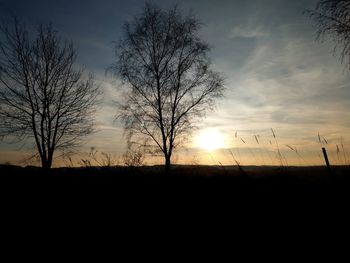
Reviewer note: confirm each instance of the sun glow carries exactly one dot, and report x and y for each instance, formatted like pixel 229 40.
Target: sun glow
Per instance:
pixel 210 140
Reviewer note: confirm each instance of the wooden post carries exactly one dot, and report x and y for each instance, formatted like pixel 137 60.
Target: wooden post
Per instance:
pixel 326 159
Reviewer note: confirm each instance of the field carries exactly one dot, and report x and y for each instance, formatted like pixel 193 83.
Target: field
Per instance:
pixel 213 191
pixel 230 176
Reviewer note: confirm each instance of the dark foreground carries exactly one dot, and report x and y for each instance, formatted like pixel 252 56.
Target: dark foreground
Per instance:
pixel 205 178
pixel 212 191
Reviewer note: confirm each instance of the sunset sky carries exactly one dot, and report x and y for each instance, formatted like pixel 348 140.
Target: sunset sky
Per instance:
pixel 276 76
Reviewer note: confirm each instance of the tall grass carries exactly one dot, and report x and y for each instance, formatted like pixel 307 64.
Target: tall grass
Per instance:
pixel 266 149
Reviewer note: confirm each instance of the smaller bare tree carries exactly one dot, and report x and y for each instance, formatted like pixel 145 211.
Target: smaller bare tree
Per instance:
pixel 42 96
pixel 170 83
pixel 332 19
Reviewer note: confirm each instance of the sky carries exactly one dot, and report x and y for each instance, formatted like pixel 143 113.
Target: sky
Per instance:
pixel 276 76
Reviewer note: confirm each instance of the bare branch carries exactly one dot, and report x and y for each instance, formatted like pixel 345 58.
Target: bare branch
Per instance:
pixel 332 18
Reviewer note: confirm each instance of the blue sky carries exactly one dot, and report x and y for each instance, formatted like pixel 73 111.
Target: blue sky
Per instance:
pixel 277 75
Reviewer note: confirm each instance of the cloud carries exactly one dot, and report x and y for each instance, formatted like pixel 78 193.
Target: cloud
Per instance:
pixel 246 31
pixel 288 82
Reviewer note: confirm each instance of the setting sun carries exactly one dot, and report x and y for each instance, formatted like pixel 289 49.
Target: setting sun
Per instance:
pixel 210 140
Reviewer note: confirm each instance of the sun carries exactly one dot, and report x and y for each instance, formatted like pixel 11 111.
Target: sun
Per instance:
pixel 210 140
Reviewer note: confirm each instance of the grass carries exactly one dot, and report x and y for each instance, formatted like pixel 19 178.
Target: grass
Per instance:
pixel 267 150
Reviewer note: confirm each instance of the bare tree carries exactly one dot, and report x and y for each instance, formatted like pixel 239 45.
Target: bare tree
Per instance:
pixel 165 66
pixel 332 18
pixel 42 96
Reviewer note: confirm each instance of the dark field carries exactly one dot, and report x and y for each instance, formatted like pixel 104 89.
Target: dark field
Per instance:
pixel 225 176
pixel 188 189
pixel 314 173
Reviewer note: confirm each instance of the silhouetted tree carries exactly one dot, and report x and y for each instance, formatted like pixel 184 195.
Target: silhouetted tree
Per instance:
pixel 42 96
pixel 165 66
pixel 332 18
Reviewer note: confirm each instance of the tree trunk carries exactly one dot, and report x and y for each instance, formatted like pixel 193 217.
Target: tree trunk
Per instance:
pixel 167 162
pixel 46 163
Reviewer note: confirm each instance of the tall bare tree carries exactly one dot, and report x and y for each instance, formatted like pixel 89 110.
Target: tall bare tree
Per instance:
pixel 167 71
pixel 42 96
pixel 332 18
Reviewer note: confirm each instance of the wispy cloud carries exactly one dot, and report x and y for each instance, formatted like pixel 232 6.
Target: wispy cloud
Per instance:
pixel 247 31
